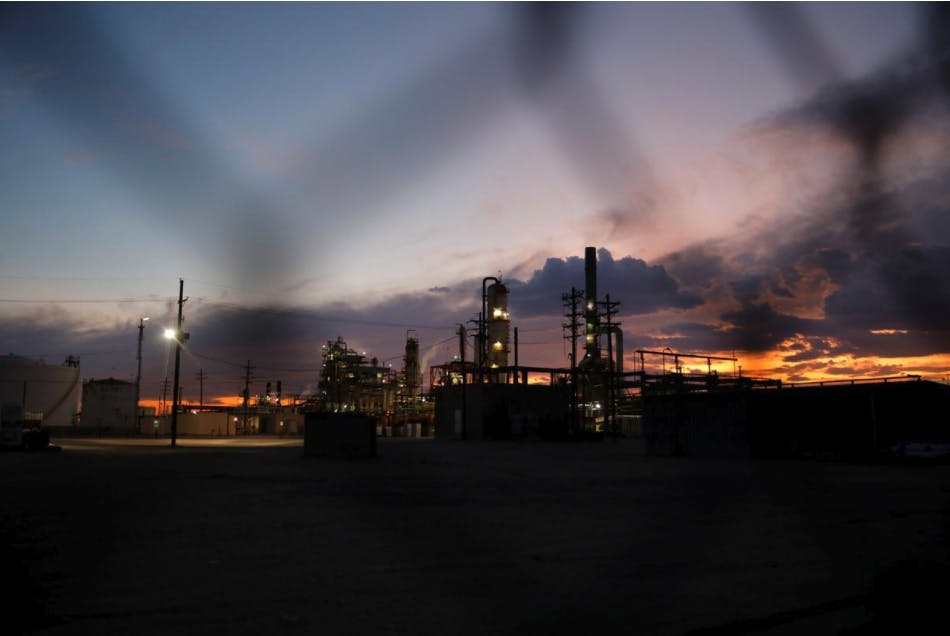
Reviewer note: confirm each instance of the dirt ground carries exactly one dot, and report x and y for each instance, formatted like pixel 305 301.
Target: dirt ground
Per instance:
pixel 431 537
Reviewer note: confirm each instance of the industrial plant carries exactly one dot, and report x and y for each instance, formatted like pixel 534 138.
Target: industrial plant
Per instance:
pixel 677 403
pixel 487 393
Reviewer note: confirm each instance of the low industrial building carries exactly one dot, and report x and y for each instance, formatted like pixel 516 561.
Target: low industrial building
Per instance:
pixel 282 423
pixel 225 423
pixel 202 424
pixel 501 411
pixel 845 420
pixel 109 406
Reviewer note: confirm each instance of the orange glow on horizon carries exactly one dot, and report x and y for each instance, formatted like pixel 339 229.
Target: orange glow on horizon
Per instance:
pixel 815 365
pixel 774 364
pixel 210 401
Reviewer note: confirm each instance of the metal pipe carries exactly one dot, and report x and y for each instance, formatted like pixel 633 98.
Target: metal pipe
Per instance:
pixel 618 350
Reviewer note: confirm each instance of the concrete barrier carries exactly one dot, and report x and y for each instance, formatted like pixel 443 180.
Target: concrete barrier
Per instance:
pixel 339 435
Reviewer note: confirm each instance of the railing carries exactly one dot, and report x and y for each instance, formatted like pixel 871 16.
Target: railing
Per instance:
pixel 892 379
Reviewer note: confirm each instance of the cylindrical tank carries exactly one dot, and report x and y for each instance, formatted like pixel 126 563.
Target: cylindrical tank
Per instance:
pixel 499 326
pixel 51 390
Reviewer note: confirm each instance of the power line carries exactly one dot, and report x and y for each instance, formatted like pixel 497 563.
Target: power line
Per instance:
pixel 79 301
pixel 213 359
pixel 247 392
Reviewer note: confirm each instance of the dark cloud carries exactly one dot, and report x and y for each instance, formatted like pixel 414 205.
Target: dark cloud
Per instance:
pixel 682 336
pixel 836 263
pixel 758 327
pixel 748 289
pixel 778 289
pixel 641 288
pixel 877 260
pixel 900 289
pixel 906 290
pixel 44 334
pixel 807 348
pixel 864 370
pixel 697 266
pixel 884 243
pixel 541 294
pixel 865 111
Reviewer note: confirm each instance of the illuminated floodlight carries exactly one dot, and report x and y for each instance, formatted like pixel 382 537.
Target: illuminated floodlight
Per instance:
pixel 169 334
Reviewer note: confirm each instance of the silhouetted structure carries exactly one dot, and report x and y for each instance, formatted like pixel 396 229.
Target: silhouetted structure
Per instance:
pixel 349 384
pixel 109 406
pixel 847 420
pixel 339 435
pixel 503 411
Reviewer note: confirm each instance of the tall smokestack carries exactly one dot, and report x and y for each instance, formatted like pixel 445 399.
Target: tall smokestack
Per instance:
pixel 590 304
pixel 411 366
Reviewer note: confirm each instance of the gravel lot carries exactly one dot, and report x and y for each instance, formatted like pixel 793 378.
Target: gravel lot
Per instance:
pixel 247 536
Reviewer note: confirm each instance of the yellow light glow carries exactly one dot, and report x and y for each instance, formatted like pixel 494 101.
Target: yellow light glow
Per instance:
pixel 170 334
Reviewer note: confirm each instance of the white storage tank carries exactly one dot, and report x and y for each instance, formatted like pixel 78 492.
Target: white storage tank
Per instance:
pixel 51 390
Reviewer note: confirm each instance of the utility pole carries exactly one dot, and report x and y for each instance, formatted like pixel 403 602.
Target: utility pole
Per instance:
pixel 138 374
pixel 179 339
pixel 611 406
pixel 464 387
pixel 571 303
pixel 247 391
pixel 161 408
pixel 478 360
pixel 201 388
pixel 517 373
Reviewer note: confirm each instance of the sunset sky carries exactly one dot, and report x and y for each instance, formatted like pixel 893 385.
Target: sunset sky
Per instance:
pixel 771 181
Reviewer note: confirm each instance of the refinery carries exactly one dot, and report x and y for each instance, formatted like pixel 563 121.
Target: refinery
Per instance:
pixel 677 403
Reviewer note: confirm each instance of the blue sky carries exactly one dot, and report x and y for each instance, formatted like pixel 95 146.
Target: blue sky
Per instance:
pixel 339 161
